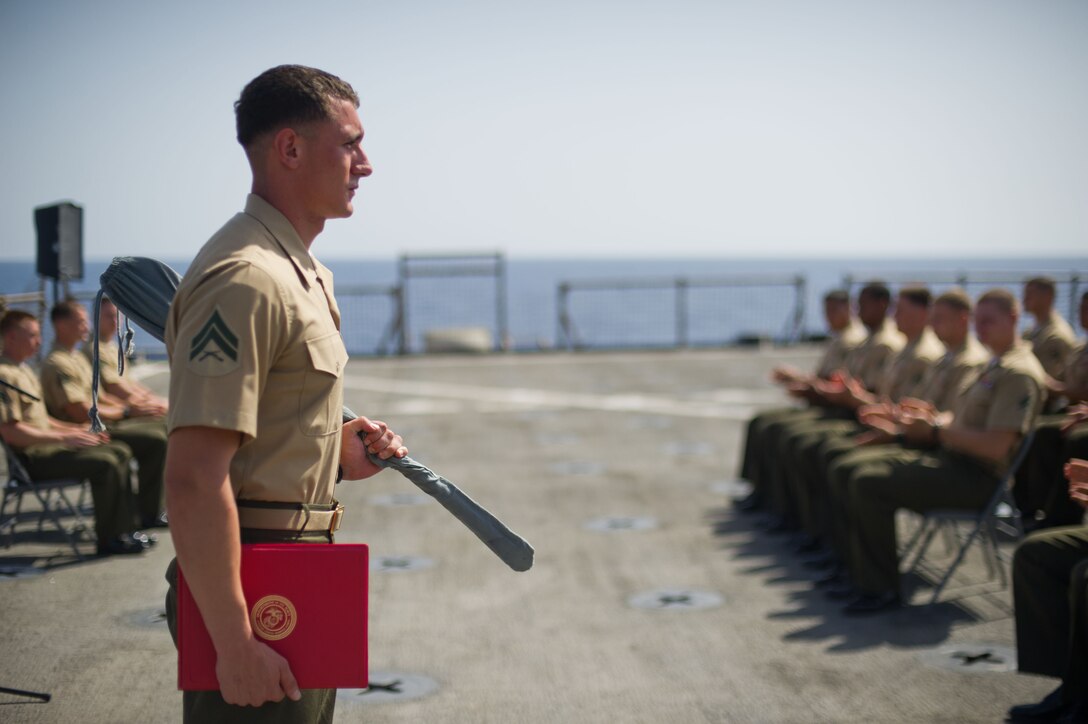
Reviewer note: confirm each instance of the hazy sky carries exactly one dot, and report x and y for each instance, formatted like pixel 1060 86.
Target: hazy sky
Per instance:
pixel 673 127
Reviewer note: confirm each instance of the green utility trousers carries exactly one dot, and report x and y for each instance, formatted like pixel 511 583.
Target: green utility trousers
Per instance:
pixel 105 466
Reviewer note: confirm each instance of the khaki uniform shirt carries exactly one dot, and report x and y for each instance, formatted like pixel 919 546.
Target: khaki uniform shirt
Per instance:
pixel 1076 368
pixel 1052 342
pixel 17 407
pixel 956 371
pixel 1008 395
pixel 254 346
pixel 66 378
pixel 905 371
pixel 842 343
pixel 107 356
pixel 866 362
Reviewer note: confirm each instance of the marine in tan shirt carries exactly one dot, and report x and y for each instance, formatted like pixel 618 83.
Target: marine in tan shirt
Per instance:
pixel 1072 386
pixel 255 347
pixel 140 399
pixel 846 334
pixel 904 371
pixel 784 440
pixel 944 382
pixel 1052 339
pixel 969 449
pixel 256 362
pixel 67 380
pixel 806 453
pixel 964 356
pixel 868 360
pixel 50 448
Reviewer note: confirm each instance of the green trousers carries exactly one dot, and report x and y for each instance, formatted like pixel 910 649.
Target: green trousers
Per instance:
pixel 803 469
pixel 208 707
pixel 751 467
pixel 147 439
pixel 1050 592
pixel 838 473
pixel 919 480
pixel 105 466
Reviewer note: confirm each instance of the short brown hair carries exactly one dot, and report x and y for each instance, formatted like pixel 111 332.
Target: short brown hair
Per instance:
pixel 13 318
pixel 287 95
pixel 877 290
pixel 955 298
pixel 65 309
pixel 1002 298
pixel 837 296
pixel 917 295
pixel 1045 283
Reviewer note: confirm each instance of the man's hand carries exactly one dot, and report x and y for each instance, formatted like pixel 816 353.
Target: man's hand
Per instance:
pixel 377 439
pixel 1076 472
pixel 147 408
pixel 918 408
pixel 251 674
pixel 81 438
pixel 874 437
pixel 847 392
pixel 1076 416
pixel 785 375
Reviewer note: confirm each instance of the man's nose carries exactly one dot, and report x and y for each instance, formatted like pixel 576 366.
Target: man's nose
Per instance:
pixel 362 166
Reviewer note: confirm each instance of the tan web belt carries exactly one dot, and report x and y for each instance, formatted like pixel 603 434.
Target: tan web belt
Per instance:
pixel 302 517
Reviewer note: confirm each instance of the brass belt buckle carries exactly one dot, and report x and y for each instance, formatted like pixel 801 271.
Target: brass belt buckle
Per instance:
pixel 337 514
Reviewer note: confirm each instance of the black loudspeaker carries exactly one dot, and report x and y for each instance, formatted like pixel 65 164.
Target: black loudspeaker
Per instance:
pixel 60 241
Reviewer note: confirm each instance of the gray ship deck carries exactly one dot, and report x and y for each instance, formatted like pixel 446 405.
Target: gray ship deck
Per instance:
pixel 551 444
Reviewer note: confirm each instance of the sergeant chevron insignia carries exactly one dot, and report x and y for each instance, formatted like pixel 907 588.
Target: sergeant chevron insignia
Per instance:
pixel 213 351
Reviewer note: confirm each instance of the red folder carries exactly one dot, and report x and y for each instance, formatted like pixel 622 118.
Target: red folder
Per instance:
pixel 306 601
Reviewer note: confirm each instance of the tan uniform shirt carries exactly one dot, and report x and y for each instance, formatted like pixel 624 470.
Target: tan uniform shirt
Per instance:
pixel 1076 368
pixel 866 362
pixel 107 355
pixel 66 378
pixel 17 407
pixel 954 373
pixel 254 346
pixel 842 343
pixel 1008 395
pixel 1052 342
pixel 905 372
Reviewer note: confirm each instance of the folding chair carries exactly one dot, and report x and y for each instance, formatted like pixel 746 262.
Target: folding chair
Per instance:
pixel 52 497
pixel 999 515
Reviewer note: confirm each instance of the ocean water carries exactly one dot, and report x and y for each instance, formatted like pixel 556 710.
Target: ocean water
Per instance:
pixel 638 303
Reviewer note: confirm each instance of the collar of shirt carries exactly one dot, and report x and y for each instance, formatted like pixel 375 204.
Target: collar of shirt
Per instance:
pixel 286 237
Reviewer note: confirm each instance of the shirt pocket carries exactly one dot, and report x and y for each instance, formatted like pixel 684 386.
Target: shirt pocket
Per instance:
pixel 321 398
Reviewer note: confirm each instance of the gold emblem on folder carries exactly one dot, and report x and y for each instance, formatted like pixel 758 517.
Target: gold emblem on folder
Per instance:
pixel 273 618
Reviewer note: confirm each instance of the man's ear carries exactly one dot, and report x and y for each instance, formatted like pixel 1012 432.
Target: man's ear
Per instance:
pixel 287 144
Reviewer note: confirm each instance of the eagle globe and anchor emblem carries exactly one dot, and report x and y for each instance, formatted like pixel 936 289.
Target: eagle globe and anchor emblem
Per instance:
pixel 273 618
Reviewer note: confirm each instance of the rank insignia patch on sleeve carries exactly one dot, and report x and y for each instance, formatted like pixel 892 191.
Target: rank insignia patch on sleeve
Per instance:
pixel 213 351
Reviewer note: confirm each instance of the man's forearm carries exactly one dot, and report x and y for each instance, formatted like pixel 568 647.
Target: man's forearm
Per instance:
pixel 204 527
pixel 21 435
pixel 107 410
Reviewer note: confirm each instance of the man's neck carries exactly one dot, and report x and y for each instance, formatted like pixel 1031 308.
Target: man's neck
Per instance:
pixel 913 335
pixel 954 343
pixel 1043 317
pixel 307 228
pixel 67 347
